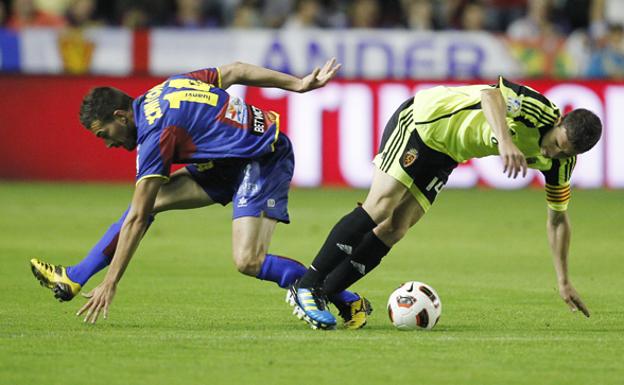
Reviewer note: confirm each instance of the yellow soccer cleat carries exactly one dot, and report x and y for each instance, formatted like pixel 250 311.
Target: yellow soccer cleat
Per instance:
pixel 358 314
pixel 54 277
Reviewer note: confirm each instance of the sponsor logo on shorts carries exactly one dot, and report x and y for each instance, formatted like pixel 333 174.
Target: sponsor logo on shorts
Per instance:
pixel 201 167
pixel 410 157
pixel 271 203
pixel 242 202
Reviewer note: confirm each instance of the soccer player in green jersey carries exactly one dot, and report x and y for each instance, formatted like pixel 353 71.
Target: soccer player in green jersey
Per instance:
pixel 422 143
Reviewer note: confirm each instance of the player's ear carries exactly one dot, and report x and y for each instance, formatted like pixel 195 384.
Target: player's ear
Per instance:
pixel 121 116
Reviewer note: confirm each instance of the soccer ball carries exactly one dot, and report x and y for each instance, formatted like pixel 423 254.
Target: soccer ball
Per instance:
pixel 414 305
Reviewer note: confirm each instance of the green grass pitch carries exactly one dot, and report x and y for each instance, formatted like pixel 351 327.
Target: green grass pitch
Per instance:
pixel 183 315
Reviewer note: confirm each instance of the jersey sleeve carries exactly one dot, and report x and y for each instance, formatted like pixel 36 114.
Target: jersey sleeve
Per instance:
pixel 152 160
pixel 206 75
pixel 557 187
pixel 528 106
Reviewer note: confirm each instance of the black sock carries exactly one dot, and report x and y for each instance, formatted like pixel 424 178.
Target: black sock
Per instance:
pixel 366 257
pixel 340 243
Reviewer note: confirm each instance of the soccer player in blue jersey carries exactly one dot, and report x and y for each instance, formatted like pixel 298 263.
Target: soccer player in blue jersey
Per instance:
pixel 236 154
pixel 425 139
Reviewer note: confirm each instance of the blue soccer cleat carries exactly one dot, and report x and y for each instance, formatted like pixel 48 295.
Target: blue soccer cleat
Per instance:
pixel 310 307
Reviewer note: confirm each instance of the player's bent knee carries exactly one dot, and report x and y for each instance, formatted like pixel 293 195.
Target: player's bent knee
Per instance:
pixel 380 209
pixel 248 264
pixel 390 232
pixel 160 205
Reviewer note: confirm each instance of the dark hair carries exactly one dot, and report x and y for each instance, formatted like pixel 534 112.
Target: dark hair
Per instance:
pixel 583 129
pixel 100 103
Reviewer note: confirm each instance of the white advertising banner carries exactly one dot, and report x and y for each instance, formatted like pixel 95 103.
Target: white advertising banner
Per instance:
pixel 101 51
pixel 372 54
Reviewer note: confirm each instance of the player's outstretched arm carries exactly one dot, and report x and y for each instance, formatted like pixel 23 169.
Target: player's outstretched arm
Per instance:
pixel 132 231
pixel 251 75
pixel 559 233
pixel 494 108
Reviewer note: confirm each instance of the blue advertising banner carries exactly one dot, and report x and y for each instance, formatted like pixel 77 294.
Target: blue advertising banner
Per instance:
pixel 9 51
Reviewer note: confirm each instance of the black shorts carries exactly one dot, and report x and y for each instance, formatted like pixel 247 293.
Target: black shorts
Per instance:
pixel 404 156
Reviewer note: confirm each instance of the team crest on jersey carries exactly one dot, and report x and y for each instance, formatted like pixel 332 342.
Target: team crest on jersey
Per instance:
pixel 410 157
pixel 513 105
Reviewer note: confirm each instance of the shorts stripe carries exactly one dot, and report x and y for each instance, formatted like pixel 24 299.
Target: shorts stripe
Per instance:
pixel 392 141
pixel 398 141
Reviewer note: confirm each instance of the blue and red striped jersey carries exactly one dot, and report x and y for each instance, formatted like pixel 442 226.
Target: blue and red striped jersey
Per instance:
pixel 189 119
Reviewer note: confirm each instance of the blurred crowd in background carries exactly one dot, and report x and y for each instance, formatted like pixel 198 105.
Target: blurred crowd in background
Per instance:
pixel 518 18
pixel 592 28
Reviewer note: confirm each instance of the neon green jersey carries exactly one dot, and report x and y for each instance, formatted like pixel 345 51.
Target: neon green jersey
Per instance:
pixel 450 120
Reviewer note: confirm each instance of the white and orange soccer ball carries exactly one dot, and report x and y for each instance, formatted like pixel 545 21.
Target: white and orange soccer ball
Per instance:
pixel 414 305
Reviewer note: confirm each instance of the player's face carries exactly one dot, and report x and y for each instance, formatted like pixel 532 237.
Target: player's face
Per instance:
pixel 120 132
pixel 556 145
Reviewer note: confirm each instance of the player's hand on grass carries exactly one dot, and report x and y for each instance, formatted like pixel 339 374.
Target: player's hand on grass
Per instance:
pixel 513 160
pixel 100 299
pixel 320 76
pixel 571 297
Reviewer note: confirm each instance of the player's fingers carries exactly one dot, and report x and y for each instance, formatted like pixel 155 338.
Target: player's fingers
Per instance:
pixel 328 64
pixel 571 304
pixel 520 165
pixel 84 307
pixel 581 306
pixel 514 167
pixel 331 72
pixel 315 72
pixel 326 77
pixel 106 311
pixel 96 313
pixel 92 310
pixel 88 315
pixel 525 167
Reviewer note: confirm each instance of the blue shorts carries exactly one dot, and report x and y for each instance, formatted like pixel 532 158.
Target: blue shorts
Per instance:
pixel 256 187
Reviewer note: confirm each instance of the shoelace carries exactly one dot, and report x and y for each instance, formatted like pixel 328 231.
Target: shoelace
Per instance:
pixel 303 298
pixel 321 301
pixel 319 304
